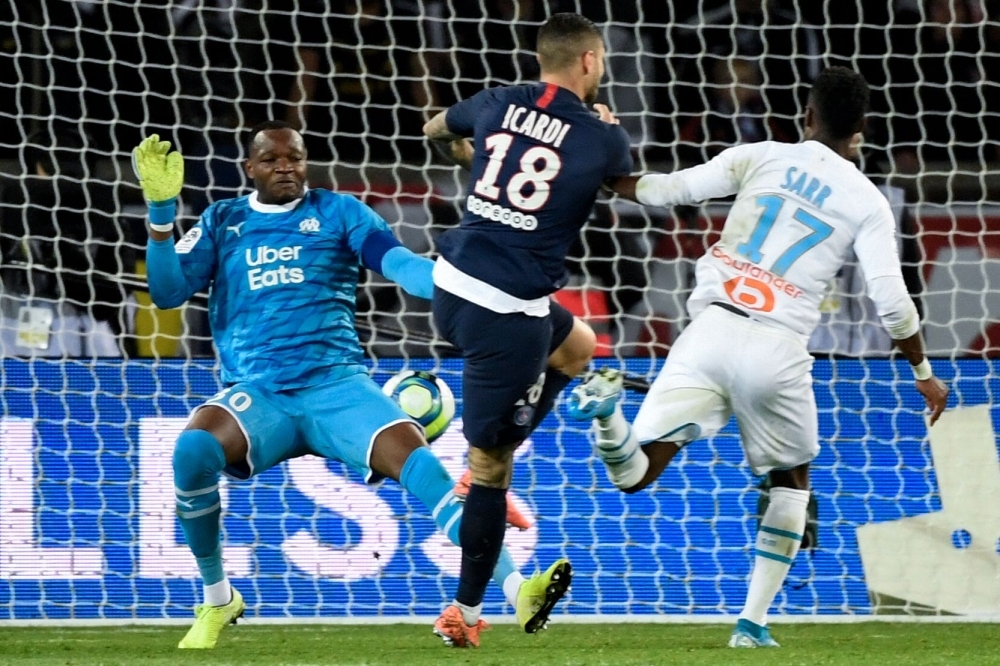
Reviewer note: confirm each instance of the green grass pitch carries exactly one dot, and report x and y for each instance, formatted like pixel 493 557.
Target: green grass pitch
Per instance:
pixel 564 645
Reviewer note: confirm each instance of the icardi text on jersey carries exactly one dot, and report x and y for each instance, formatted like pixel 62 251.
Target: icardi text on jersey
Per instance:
pixel 540 159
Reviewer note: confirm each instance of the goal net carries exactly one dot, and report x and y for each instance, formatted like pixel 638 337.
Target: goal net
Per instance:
pixel 96 383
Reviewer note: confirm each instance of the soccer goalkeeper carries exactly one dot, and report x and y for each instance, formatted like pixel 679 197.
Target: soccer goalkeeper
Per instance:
pixel 282 264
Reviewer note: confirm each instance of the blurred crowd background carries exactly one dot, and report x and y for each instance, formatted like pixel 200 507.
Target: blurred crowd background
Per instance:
pixel 81 81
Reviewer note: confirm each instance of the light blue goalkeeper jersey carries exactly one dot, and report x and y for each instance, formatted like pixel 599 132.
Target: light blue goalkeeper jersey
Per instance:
pixel 283 282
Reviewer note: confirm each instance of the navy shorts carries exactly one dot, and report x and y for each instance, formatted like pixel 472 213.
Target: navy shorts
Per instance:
pixel 506 356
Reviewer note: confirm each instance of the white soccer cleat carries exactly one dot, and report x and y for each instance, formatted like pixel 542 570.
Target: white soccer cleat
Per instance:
pixel 597 396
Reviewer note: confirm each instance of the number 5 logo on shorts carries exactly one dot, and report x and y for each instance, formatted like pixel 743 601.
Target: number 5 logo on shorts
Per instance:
pixel 750 293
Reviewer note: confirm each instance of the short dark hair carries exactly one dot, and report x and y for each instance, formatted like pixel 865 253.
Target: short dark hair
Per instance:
pixel 560 38
pixel 840 98
pixel 265 126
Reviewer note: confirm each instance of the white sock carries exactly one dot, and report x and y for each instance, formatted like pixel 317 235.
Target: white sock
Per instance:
pixel 511 584
pixel 218 594
pixel 470 614
pixel 778 541
pixel 619 449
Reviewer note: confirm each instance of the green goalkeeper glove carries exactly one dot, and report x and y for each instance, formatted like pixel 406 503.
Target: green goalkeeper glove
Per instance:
pixel 161 176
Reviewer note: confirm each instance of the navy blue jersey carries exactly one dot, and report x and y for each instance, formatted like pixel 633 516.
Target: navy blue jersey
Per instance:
pixel 540 159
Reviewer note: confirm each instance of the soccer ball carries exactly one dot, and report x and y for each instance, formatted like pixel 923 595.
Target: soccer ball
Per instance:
pixel 425 398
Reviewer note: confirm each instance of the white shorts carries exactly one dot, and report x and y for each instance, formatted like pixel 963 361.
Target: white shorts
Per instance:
pixel 724 364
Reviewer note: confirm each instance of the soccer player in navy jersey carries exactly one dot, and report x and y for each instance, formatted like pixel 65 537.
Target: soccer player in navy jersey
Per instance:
pixel 282 264
pixel 537 157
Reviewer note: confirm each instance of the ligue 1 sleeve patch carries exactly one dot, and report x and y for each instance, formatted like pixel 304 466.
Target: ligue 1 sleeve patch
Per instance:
pixel 188 241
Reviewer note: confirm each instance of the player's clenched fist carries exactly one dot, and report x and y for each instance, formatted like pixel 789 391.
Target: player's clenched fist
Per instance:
pixel 160 172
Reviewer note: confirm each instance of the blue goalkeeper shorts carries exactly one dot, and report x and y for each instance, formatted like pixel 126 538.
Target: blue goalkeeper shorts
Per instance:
pixel 338 420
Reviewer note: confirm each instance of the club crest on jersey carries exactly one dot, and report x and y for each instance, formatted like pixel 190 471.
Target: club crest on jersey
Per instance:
pixel 309 225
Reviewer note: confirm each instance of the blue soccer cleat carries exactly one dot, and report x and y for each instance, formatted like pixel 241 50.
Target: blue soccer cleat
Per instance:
pixel 597 396
pixel 750 635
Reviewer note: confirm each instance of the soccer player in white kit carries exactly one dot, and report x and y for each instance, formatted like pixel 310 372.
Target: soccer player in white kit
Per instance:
pixel 799 209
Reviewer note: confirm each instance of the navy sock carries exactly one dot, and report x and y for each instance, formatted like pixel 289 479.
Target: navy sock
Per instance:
pixel 555 382
pixel 484 521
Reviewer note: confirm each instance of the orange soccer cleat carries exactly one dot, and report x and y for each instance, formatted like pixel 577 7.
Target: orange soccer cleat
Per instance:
pixel 514 517
pixel 452 628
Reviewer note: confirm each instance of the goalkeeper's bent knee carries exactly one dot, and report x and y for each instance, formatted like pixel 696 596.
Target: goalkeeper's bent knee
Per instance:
pixel 198 459
pixel 197 454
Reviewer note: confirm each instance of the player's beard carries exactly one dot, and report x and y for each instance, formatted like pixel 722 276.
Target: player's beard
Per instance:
pixel 592 92
pixel 283 198
pixel 286 195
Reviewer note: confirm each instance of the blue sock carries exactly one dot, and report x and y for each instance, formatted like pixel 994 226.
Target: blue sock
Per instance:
pixel 425 477
pixel 481 537
pixel 505 567
pixel 198 459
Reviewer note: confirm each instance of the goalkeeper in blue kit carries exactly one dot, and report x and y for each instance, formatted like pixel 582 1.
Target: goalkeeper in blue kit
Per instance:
pixel 283 264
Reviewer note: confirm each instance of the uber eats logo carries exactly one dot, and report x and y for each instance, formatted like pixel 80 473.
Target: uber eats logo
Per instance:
pixel 265 276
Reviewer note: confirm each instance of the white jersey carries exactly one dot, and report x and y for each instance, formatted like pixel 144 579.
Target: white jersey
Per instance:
pixel 799 211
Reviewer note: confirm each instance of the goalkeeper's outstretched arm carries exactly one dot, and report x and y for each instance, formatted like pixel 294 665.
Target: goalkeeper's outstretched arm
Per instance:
pixel 161 176
pixel 385 255
pixel 169 283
